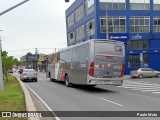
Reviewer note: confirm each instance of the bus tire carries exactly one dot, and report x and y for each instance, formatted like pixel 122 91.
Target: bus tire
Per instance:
pixel 67 81
pixel 52 80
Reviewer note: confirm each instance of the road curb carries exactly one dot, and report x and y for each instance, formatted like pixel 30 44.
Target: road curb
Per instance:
pixel 28 100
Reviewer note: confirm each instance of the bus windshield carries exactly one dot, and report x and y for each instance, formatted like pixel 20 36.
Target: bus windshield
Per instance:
pixel 108 48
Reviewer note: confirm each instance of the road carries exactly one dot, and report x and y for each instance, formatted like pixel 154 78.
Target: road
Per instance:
pixel 134 95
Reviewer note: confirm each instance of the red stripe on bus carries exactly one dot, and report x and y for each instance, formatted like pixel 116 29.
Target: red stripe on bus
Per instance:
pixel 63 72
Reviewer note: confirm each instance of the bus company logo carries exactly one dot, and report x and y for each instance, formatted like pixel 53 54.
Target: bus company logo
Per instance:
pixel 6 114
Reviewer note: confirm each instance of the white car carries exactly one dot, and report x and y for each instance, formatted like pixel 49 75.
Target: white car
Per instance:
pixel 28 75
pixel 144 72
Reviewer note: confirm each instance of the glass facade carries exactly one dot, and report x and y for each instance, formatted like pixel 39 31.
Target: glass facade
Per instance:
pixel 140 24
pixel 70 20
pixel 134 61
pixel 79 13
pixel 156 4
pixel 71 38
pixel 112 4
pixel 80 33
pixel 156 24
pixel 89 6
pixel 142 44
pixel 90 27
pixel 115 24
pixel 139 4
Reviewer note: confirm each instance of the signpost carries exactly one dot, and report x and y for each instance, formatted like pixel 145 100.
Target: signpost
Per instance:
pixel 1 73
pixel 141 59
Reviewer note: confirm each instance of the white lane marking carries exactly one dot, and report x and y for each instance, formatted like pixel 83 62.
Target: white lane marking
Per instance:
pixel 156 92
pixel 56 117
pixel 111 101
pixel 150 90
pixel 146 88
pixel 139 82
pixel 156 84
pixel 141 87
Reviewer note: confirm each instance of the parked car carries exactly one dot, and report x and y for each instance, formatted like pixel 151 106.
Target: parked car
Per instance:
pixel 144 72
pixel 28 75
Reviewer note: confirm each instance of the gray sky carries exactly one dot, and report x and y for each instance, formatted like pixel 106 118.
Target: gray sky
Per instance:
pixel 35 24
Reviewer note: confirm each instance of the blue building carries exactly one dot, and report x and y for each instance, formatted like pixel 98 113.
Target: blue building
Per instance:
pixel 135 22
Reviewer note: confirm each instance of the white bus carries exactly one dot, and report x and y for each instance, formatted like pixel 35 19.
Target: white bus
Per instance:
pixel 94 62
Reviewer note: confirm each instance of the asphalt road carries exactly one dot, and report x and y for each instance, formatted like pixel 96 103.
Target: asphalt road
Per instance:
pixel 134 95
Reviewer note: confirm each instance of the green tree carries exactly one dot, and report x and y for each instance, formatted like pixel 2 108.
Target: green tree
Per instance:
pixel 8 62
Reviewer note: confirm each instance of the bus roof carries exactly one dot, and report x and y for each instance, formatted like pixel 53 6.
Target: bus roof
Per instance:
pixel 88 41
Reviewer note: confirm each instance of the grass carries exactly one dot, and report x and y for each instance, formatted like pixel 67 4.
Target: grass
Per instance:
pixel 12 98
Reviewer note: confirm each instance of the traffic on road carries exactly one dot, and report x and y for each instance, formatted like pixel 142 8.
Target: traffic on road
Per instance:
pixel 134 95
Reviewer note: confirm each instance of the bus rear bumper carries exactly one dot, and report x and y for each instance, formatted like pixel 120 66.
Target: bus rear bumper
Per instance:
pixel 105 81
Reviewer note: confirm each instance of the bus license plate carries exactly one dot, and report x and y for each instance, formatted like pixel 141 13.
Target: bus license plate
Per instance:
pixel 108 82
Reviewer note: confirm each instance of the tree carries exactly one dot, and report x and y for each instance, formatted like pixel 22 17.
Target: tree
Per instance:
pixel 8 62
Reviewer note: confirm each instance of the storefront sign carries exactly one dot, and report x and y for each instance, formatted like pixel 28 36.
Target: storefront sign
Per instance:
pixel 121 37
pixel 137 37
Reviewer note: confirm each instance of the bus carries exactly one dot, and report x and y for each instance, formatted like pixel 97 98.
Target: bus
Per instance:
pixel 94 62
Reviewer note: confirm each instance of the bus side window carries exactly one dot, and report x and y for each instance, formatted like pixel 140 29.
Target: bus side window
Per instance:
pixel 84 52
pixel 68 55
pixel 62 57
pixel 75 54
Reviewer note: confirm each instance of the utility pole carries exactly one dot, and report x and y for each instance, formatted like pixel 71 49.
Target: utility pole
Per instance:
pixel 106 23
pixel 1 71
pixel 36 65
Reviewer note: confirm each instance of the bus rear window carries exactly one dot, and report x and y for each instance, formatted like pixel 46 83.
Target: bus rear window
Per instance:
pixel 108 48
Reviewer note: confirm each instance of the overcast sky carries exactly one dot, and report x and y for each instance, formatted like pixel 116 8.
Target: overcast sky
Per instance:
pixel 35 24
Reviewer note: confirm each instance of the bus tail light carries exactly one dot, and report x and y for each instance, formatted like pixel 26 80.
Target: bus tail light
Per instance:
pixel 91 69
pixel 122 71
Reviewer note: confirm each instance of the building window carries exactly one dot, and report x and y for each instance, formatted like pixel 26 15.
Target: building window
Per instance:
pixel 142 44
pixel 89 6
pixel 115 24
pixel 70 20
pixel 71 38
pixel 80 33
pixel 156 4
pixel 156 24
pixel 79 13
pixel 90 27
pixel 139 24
pixel 139 4
pixel 112 4
pixel 134 60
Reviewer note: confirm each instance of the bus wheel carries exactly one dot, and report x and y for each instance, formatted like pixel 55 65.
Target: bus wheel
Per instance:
pixel 52 80
pixel 67 81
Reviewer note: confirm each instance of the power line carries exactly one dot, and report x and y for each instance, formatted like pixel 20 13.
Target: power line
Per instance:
pixel 21 50
pixel 30 49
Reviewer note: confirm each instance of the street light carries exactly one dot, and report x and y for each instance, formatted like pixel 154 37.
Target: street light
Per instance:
pixel 1 73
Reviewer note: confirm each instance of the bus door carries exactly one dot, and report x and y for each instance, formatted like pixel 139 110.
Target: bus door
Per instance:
pixel 108 60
